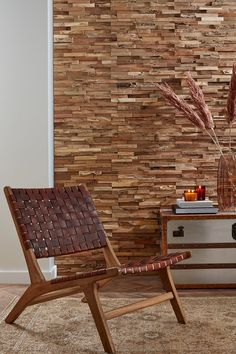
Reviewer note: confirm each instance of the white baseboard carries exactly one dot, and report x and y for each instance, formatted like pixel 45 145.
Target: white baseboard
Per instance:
pixel 22 277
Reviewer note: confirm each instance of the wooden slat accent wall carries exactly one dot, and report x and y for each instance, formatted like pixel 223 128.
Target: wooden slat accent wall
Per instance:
pixel 113 131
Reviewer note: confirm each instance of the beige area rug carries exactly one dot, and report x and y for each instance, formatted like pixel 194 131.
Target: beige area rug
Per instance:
pixel 66 326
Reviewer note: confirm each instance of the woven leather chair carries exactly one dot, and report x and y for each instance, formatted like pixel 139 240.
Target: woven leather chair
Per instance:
pixel 60 221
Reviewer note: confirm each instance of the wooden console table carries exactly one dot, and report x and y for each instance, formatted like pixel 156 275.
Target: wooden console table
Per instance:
pixel 212 240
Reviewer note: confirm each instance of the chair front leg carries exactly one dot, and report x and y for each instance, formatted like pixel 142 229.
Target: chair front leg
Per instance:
pixel 168 285
pixel 22 303
pixel 91 293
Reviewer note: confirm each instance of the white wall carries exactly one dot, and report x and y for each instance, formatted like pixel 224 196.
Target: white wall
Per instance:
pixel 26 129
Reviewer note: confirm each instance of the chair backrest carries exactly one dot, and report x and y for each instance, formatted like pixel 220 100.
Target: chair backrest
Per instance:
pixel 56 221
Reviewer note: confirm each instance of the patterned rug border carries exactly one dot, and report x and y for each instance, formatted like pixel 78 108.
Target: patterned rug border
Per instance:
pixel 20 338
pixel 8 308
pixel 23 335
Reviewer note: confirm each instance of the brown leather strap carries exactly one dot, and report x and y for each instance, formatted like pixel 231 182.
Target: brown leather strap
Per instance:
pixel 57 221
pixel 153 263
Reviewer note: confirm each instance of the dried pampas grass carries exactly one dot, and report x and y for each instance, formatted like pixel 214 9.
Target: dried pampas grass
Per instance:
pixel 231 101
pixel 199 102
pixel 201 116
pixel 175 101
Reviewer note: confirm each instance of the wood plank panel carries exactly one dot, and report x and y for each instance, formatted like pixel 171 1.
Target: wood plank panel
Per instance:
pixel 113 131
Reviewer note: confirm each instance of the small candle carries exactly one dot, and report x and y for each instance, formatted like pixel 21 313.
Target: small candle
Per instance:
pixel 201 192
pixel 190 195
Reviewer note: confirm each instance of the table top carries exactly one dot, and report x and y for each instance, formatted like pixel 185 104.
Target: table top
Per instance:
pixel 168 214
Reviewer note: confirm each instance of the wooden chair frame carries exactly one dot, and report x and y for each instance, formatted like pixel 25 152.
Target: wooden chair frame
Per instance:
pixel 41 290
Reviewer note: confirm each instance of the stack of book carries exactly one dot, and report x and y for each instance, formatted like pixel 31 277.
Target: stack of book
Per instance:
pixel 194 207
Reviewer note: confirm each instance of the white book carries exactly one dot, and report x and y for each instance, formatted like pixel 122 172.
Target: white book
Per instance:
pixel 207 203
pixel 202 210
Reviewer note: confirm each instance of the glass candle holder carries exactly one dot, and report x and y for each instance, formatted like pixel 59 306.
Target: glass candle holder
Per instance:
pixel 201 192
pixel 190 195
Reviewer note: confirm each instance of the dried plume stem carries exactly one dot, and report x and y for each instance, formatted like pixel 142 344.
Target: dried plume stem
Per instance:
pixel 215 140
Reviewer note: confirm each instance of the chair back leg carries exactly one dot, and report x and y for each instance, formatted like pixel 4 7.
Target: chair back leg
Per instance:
pixel 91 294
pixel 168 285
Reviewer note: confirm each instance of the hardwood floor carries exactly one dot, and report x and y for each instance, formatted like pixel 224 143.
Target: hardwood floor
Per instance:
pixel 138 286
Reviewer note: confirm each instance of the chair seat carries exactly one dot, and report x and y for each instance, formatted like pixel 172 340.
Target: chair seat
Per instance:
pixel 141 266
pixel 153 263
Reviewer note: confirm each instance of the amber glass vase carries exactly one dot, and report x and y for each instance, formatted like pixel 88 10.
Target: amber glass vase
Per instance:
pixel 226 183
